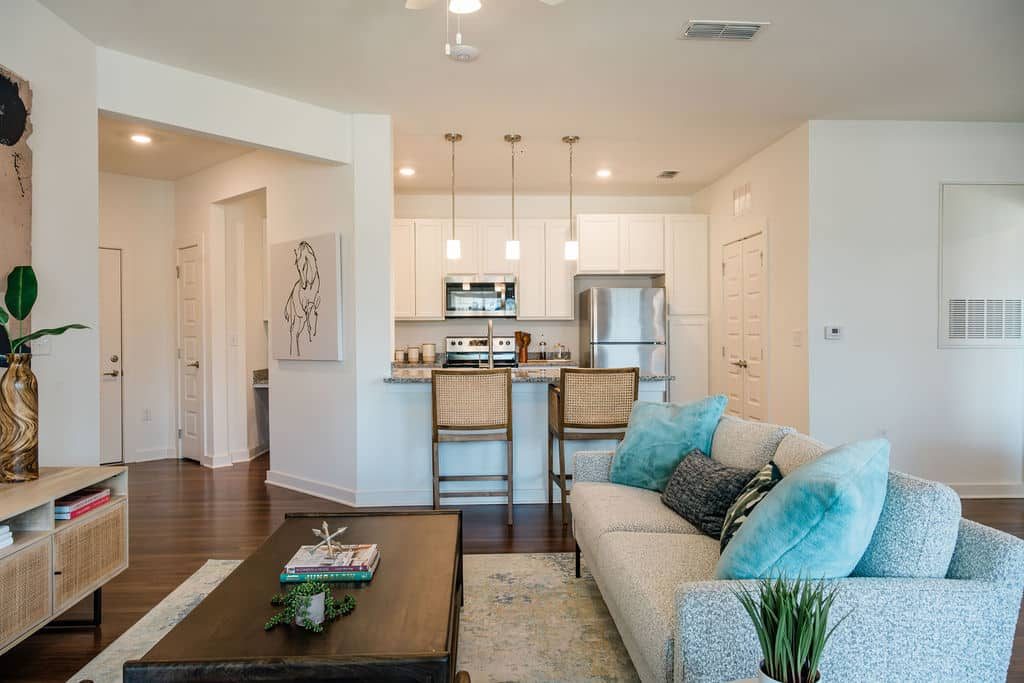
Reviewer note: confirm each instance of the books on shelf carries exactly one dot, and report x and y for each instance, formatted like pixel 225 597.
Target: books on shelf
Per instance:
pixel 351 563
pixel 331 576
pixel 80 502
pixel 6 537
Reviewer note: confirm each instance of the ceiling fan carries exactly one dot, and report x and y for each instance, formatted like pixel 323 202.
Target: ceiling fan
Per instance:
pixel 423 4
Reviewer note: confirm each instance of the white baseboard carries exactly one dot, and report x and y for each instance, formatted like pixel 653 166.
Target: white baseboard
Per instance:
pixel 997 490
pixel 216 460
pixel 313 488
pixel 149 454
pixel 257 451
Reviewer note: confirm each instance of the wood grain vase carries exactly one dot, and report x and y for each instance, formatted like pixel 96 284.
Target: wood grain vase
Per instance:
pixel 19 421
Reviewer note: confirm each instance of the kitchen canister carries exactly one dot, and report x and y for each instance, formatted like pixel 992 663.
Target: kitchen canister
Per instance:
pixel 413 354
pixel 429 353
pixel 399 355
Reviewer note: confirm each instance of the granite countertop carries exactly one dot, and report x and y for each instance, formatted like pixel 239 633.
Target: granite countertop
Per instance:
pixel 519 376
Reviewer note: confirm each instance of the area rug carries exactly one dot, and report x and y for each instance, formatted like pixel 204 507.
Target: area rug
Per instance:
pixel 526 618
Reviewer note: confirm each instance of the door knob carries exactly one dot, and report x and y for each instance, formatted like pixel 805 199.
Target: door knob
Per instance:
pixel 740 363
pixel 112 373
pixel 193 364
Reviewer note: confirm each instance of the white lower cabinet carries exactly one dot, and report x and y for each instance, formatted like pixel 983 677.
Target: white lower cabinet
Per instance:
pixel 688 358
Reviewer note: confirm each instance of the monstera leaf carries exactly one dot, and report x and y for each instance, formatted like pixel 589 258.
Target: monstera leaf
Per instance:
pixel 22 290
pixel 48 332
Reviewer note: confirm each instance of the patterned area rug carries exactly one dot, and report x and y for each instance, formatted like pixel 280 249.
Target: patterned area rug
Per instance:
pixel 526 618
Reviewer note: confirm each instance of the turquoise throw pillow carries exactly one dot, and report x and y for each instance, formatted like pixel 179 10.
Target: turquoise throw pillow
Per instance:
pixel 659 435
pixel 817 522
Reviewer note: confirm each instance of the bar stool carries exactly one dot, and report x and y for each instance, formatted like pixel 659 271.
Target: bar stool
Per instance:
pixel 597 400
pixel 472 405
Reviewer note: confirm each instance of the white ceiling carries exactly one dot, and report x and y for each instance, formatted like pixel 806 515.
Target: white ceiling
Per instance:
pixel 611 71
pixel 171 155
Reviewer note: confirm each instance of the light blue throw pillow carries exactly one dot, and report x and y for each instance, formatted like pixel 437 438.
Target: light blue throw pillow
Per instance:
pixel 817 522
pixel 659 435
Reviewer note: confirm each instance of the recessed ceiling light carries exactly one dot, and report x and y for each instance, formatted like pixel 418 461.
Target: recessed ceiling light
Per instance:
pixel 141 139
pixel 407 171
pixel 463 6
pixel 604 173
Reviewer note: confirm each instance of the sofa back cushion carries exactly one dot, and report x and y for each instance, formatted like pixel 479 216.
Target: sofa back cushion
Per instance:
pixel 745 443
pixel 795 450
pixel 916 532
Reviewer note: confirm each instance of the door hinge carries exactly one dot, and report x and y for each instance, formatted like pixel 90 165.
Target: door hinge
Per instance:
pixel 723 352
pixel 723 267
pixel 177 272
pixel 762 259
pixel 179 353
pixel 179 433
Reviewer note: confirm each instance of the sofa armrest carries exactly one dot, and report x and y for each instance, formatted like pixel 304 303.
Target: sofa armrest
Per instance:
pixel 898 630
pixel 987 554
pixel 593 466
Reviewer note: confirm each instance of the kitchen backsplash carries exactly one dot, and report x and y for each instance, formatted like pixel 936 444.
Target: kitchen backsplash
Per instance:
pixel 416 333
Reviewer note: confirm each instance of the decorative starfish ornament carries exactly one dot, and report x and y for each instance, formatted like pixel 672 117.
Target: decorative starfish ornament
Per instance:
pixel 330 547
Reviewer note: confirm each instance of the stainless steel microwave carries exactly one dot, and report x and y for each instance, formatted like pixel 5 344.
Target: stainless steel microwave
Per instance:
pixel 489 296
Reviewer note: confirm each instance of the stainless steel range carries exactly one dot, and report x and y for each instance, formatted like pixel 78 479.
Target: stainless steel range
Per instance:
pixel 471 352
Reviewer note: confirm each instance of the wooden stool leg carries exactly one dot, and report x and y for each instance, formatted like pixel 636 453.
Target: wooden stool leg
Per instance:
pixel 561 481
pixel 510 476
pixel 437 478
pixel 551 466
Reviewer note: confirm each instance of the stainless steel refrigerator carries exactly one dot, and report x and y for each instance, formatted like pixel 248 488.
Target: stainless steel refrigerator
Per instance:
pixel 623 327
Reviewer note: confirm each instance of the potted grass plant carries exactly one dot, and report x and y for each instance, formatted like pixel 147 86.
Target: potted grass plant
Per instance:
pixel 791 621
pixel 19 392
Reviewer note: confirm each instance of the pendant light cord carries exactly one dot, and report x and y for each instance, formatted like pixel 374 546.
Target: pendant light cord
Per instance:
pixel 514 190
pixel 571 227
pixel 453 187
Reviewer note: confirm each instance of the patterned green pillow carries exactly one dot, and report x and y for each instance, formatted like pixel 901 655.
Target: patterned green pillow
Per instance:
pixel 755 491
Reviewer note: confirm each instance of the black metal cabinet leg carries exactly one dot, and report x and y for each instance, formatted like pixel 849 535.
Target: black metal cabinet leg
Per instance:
pixel 95 622
pixel 577 560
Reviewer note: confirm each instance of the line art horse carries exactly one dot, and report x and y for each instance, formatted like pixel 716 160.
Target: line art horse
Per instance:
pixel 302 308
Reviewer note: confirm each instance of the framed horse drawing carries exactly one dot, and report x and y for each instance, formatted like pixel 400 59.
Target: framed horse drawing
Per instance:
pixel 305 289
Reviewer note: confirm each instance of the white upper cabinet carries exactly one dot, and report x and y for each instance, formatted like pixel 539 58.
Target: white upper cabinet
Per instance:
pixel 403 268
pixel 468 234
pixel 643 243
pixel 531 292
pixel 493 235
pixel 430 268
pixel 559 272
pixel 599 243
pixel 686 271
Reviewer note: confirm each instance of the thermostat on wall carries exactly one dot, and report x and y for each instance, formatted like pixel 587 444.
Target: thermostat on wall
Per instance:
pixel 833 332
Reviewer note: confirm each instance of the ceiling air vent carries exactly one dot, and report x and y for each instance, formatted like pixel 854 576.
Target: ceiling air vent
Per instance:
pixel 722 30
pixel 668 175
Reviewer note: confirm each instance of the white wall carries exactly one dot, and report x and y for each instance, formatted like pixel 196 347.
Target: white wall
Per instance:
pixel 137 216
pixel 778 178
pixel 60 66
pixel 956 415
pixel 532 205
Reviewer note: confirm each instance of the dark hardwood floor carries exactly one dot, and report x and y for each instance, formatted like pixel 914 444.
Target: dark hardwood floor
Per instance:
pixel 182 514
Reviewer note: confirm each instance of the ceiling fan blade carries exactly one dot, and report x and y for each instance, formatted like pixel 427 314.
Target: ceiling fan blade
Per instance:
pixel 418 4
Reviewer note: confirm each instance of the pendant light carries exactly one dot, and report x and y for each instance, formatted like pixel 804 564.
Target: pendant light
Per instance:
pixel 453 247
pixel 512 245
pixel 572 247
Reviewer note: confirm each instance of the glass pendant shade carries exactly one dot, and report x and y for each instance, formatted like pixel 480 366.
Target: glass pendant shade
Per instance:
pixel 453 249
pixel 512 250
pixel 463 6
pixel 572 250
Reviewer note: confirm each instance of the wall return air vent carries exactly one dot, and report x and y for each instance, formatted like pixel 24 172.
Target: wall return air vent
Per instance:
pixel 984 322
pixel 712 29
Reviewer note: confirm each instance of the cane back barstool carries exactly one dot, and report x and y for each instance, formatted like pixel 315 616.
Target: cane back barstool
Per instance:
pixel 589 404
pixel 472 405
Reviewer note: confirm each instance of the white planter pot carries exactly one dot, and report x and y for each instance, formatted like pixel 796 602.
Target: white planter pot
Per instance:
pixel 314 613
pixel 762 677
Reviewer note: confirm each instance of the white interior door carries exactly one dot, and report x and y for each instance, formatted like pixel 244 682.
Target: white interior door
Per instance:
pixel 190 347
pixel 111 358
pixel 744 304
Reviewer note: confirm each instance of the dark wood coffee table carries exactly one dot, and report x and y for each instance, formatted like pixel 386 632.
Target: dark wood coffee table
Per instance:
pixel 405 626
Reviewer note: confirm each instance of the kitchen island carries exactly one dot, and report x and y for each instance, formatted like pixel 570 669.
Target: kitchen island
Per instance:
pixel 403 475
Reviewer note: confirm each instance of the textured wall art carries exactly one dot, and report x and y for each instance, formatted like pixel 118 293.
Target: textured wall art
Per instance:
pixel 15 178
pixel 305 291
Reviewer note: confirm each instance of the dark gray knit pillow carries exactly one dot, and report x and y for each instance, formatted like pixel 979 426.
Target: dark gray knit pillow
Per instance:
pixel 701 491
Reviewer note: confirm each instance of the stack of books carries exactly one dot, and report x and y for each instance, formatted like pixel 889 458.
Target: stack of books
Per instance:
pixel 80 502
pixel 351 563
pixel 6 537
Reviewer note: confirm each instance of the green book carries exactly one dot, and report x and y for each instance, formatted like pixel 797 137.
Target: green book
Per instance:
pixel 326 576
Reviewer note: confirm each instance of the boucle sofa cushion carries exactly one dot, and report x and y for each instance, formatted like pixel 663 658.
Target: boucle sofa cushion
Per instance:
pixel 795 450
pixel 745 443
pixel 815 523
pixel 702 490
pixel 916 532
pixel 640 574
pixel 598 508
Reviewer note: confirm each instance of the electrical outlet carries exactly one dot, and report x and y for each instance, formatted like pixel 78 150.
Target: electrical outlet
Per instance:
pixel 147 415
pixel 833 332
pixel 798 338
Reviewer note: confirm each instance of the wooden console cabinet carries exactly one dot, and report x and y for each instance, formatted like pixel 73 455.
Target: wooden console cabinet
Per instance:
pixel 55 564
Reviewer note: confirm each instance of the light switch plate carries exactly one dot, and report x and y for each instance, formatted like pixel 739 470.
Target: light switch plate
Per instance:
pixel 833 332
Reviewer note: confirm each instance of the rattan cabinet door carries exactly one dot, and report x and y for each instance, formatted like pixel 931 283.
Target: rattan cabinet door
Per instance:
pixel 88 553
pixel 25 581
